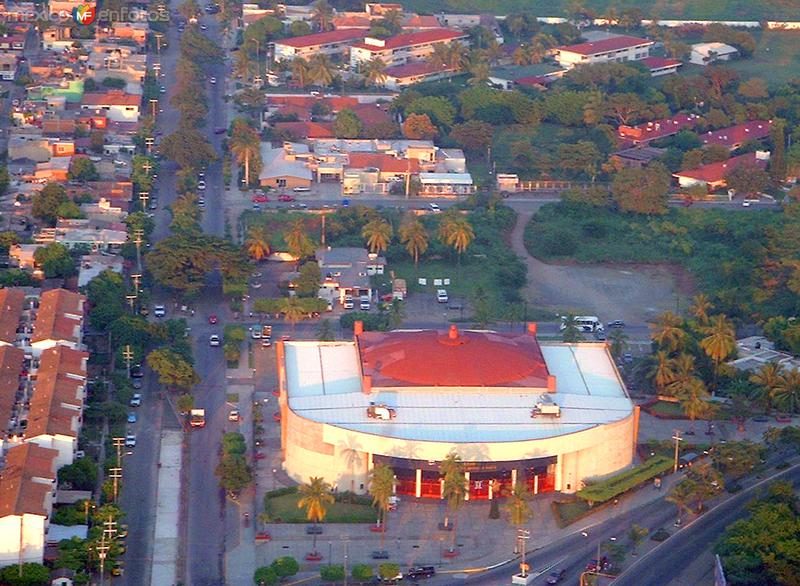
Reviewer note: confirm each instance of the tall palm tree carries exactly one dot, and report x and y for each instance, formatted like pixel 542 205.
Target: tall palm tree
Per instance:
pixel 669 334
pixel 619 342
pixel 374 71
pixel 415 238
pixel 246 147
pixel 693 397
pixel 381 487
pixel 292 310
pixel 456 231
pixel 682 496
pixel 314 498
pixel 662 373
pixel 700 308
pixel 787 394
pixel 322 15
pixel 768 378
pixel 454 486
pixel 321 69
pixel 683 374
pixel 300 71
pixel 522 55
pixel 352 453
pixel 479 70
pixel 457 55
pixel 297 241
pixel 720 340
pixel 378 234
pixel 519 511
pixel 257 243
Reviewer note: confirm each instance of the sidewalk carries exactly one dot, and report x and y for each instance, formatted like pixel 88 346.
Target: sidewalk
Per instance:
pixel 165 544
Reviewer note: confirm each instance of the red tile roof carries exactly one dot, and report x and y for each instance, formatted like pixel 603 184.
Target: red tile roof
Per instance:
pixel 58 393
pixel 386 163
pixel 471 359
pixel 414 69
pixel 660 62
pixel 371 114
pixel 335 102
pixel 12 301
pixel 22 489
pixel 657 128
pixel 336 36
pixel 715 172
pixel 735 136
pixel 11 360
pixel 421 21
pixel 60 316
pixel 605 45
pixel 303 113
pixel 302 130
pixel 351 22
pixel 111 98
pixel 412 39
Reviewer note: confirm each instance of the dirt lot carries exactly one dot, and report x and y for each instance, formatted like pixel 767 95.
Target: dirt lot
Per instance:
pixel 631 293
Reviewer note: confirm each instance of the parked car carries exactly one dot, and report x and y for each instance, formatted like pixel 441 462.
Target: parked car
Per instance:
pixel 259 198
pixel 600 335
pixel 159 311
pixel 220 130
pixel 380 554
pixel 201 184
pixel 136 400
pixel 616 323
pixel 301 189
pixel 234 415
pixel 556 577
pixel 627 358
pixel 286 197
pixel 137 383
pixel 213 340
pixel 345 203
pixel 441 296
pixel 348 302
pixel 213 80
pixel 434 207
pixel 130 441
pixel 595 566
pixel 255 333
pixel 421 572
pixel 212 319
pixel 136 371
pixel 131 417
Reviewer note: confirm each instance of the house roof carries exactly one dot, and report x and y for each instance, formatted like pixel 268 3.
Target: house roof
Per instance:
pixel 411 39
pixel 515 73
pixel 306 129
pixel 715 172
pixel 371 114
pixel 275 164
pixel 414 69
pixel 11 361
pixel 12 300
pixel 653 63
pixel 20 490
pixel 382 161
pixel 421 21
pixel 351 22
pixel 739 134
pixel 60 313
pixel 312 40
pixel 705 49
pixel 335 102
pixel 654 129
pixel 58 393
pixel 605 45
pixel 111 98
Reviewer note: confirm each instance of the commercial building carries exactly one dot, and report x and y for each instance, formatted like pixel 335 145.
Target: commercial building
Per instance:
pixel 347 271
pixel 403 48
pixel 400 76
pixel 547 414
pixel 708 53
pixel 332 43
pixel 617 49
pixel 538 74
pixel 661 65
pixel 281 168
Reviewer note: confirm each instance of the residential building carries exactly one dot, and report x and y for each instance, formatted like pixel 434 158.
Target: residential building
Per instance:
pixel 444 184
pixel 97 235
pixel 14 387
pixel 754 352
pixel 59 321
pixel 403 48
pixel 707 53
pixel 8 66
pixel 56 408
pixel 92 265
pixel 636 157
pixel 407 399
pixel 114 104
pixel 661 65
pixel 27 489
pixel 507 78
pixel 281 169
pixel 615 49
pixel 401 76
pixel 712 176
pixel 656 129
pixel 735 137
pixel 303 130
pixel 346 271
pixel 334 43
pixel 12 303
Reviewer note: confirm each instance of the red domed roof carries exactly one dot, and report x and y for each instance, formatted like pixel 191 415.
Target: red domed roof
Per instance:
pixel 451 359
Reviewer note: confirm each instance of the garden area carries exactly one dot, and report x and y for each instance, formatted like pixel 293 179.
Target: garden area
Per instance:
pixel 280 506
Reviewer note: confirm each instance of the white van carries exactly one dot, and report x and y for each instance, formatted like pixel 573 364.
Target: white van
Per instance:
pixel 441 296
pixel 301 189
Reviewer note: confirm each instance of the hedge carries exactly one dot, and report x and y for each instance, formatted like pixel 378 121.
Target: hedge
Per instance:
pixel 609 488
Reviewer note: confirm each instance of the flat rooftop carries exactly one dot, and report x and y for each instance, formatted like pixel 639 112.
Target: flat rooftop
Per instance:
pixel 324 385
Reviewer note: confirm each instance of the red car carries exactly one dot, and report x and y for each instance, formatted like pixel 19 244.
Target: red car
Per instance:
pixel 212 319
pixel 286 197
pixel 260 199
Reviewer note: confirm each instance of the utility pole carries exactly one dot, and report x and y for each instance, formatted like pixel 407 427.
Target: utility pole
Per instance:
pixel 136 278
pixel 118 442
pixel 153 106
pixel 127 354
pixel 150 141
pixel 346 542
pixel 144 197
pixel 116 475
pixel 138 234
pixel 677 437
pixel 131 300
pixel 158 37
pixel 322 234
pixel 147 166
pixel 523 535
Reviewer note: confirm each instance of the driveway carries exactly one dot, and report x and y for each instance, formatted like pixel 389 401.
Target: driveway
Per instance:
pixel 634 294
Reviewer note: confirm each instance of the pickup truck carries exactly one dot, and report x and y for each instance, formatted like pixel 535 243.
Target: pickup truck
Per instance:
pixel 197 418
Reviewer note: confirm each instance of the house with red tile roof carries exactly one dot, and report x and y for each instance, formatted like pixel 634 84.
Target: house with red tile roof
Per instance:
pixel 331 43
pixel 12 380
pixel 661 65
pixel 303 130
pixel 59 321
pixel 403 48
pixel 116 105
pixel 363 23
pixel 735 137
pixel 27 491
pixel 712 176
pixel 12 303
pixel 655 129
pixel 420 22
pixel 614 49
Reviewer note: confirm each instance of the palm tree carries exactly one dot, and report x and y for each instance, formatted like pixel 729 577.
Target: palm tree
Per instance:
pixel 479 69
pixel 352 453
pixel 683 374
pixel 292 310
pixel 456 231
pixel 787 394
pixel 300 71
pixel 519 511
pixel 315 496
pixel 298 242
pixel 668 333
pixel 693 397
pixel 682 496
pixel 381 487
pixel 373 71
pixel 768 378
pixel 522 55
pixel 378 233
pixel 415 238
pixel 246 147
pixel 662 373
pixel 257 243
pixel 322 15
pixel 454 486
pixel 700 308
pixel 457 56
pixel 720 340
pixel 619 342
pixel 321 69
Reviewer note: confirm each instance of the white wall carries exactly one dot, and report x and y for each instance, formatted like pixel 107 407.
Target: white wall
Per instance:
pixel 32 538
pixel 65 445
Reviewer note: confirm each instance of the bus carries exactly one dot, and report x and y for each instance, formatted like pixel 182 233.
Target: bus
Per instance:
pixel 585 323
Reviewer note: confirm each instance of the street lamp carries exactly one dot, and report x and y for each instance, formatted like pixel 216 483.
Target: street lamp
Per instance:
pixel 677 437
pixel 523 535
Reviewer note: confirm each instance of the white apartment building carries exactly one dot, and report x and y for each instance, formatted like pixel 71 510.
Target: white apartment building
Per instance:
pixel 402 49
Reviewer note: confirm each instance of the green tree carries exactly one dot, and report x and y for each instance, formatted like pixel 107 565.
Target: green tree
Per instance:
pixel 293 311
pixel 777 162
pixel 456 231
pixel 332 573
pixel 315 496
pixel 662 373
pixel 257 243
pixel 720 339
pixel 80 475
pixel 245 145
pixel 473 135
pixel 736 459
pixel 285 567
pixel 347 125
pixel 234 473
pixel 767 378
pixel 519 510
pixel 265 576
pixel 396 314
pixel 47 201
pixel 301 72
pixel 454 487
pixel 682 495
pixel 419 127
pixel 173 370
pixel 642 191
pixel 786 395
pixel 362 573
pixel 747 179
pixel 29 574
pixel 637 534
pixel 299 28
pixel 693 398
pixel 378 234
pixel 700 307
pixel 181 263
pixel 388 571
pixel 188 147
pixel 185 403
pixel 571 332
pixel 668 333
pixel 321 69
pixel 299 244
pixel 55 260
pixel 414 237
pixel 381 488
pixel 373 71
pixel 325 331
pixel 198 48
pixel 619 342
pixel 322 15
pixel 308 281
pixel 82 169
pixel 438 109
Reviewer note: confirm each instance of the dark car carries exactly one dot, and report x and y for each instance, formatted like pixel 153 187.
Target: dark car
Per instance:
pixel 136 371
pixel 616 323
pixel 314 530
pixel 556 577
pixel 380 554
pixel 220 130
pixel 595 566
pixel 421 572
pixel 600 335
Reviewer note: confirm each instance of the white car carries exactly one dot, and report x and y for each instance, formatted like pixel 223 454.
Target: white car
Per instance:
pixel 434 207
pixel 213 80
pixel 130 441
pixel 201 184
pixel 255 333
pixel 441 296
pixel 213 340
pixel 162 89
pixel 136 400
pixel 159 311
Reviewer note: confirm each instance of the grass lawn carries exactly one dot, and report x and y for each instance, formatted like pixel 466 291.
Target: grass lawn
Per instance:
pixel 668 409
pixel 776 59
pixel 568 512
pixel 667 9
pixel 284 508
pixel 544 137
